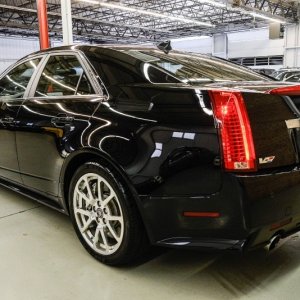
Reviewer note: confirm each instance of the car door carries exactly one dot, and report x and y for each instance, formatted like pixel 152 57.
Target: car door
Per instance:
pixel 52 118
pixel 14 85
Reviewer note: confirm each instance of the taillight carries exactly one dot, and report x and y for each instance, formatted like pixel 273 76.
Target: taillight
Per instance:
pixel 286 91
pixel 236 135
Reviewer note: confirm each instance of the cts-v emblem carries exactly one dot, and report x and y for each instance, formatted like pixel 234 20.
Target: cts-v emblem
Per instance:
pixel 266 160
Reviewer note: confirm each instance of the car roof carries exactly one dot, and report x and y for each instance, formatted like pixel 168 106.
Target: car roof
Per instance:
pixel 116 47
pixel 105 46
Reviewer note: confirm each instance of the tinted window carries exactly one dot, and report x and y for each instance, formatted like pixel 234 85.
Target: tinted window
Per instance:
pixel 157 75
pixel 193 68
pixel 286 76
pixel 117 68
pixel 14 84
pixel 122 66
pixel 63 76
pixel 113 69
pixel 295 77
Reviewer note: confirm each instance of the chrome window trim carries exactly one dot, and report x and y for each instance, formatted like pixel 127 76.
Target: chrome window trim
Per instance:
pixel 66 97
pixel 100 82
pixel 84 65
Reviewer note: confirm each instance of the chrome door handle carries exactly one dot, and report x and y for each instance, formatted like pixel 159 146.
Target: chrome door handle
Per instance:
pixel 7 120
pixel 61 120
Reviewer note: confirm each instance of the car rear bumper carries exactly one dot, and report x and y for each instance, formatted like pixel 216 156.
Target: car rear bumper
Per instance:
pixel 249 211
pixel 272 205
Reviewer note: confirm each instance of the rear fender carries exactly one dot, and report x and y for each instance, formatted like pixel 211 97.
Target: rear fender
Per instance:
pixel 83 155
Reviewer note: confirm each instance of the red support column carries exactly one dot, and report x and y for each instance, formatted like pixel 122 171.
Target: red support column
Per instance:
pixel 43 23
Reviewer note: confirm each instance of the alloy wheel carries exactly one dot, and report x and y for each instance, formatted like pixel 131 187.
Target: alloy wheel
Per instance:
pixel 98 214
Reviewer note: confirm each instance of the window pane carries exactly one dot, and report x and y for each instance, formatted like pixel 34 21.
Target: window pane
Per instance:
pixel 14 84
pixel 84 87
pixel 60 77
pixel 194 68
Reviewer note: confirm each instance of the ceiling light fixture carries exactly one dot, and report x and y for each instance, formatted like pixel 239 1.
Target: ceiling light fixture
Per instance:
pixel 149 13
pixel 190 38
pixel 244 10
pixel 257 15
pixel 214 3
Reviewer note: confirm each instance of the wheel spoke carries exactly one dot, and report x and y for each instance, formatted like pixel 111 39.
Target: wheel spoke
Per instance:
pixel 89 189
pixel 85 198
pixel 114 218
pixel 86 225
pixel 100 198
pixel 103 238
pixel 80 204
pixel 82 212
pixel 112 231
pixel 109 198
pixel 96 237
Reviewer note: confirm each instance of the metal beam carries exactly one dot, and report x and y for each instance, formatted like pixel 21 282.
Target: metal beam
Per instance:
pixel 74 17
pixel 66 14
pixel 43 24
pixel 99 24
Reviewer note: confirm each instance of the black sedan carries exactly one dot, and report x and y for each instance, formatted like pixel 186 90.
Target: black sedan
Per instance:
pixel 142 147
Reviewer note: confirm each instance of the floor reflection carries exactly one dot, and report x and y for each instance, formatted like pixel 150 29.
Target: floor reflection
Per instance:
pixel 44 258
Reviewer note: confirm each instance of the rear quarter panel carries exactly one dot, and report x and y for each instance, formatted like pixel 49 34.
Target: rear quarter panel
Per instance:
pixel 164 139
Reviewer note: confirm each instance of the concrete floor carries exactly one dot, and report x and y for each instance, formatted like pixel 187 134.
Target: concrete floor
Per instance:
pixel 41 258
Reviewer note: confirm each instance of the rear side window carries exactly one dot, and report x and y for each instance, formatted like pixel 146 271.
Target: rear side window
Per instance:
pixel 116 68
pixel 63 75
pixel 13 85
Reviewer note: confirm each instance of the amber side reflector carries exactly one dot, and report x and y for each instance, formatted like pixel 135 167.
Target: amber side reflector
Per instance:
pixel 280 224
pixel 286 91
pixel 197 214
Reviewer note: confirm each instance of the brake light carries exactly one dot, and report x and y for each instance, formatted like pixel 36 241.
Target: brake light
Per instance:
pixel 287 91
pixel 235 131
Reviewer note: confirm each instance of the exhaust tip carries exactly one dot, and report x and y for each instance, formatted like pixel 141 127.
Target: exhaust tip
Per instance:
pixel 273 242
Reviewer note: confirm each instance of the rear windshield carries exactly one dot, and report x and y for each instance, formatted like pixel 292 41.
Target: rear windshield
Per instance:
pixel 193 68
pixel 139 66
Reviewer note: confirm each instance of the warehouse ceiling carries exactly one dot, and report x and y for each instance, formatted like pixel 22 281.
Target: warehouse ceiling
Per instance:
pixel 146 20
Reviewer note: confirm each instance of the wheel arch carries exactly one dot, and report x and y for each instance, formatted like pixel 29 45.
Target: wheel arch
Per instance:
pixel 79 157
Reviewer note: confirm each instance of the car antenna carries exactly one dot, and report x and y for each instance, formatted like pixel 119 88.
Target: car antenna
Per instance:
pixel 165 46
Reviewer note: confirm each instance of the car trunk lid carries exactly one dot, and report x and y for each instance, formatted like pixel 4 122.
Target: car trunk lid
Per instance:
pixel 269 114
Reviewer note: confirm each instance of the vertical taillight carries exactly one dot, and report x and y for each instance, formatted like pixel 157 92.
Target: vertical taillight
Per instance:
pixel 235 130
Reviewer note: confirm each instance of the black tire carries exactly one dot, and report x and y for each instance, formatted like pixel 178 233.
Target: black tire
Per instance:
pixel 134 241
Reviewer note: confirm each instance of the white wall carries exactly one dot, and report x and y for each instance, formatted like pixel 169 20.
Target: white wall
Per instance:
pixel 292 43
pixel 198 45
pixel 253 43
pixel 12 49
pixel 240 44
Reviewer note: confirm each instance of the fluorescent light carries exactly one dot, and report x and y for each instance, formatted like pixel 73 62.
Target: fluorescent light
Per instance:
pixel 243 10
pixel 191 38
pixel 214 3
pixel 254 14
pixel 149 13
